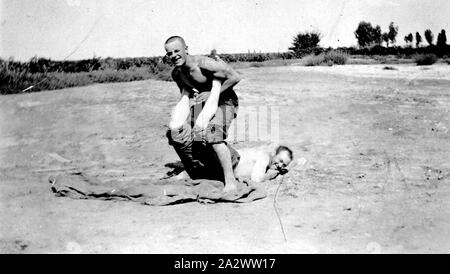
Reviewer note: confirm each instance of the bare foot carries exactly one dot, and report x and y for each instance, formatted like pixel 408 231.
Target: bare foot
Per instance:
pixel 230 191
pixel 230 186
pixel 183 175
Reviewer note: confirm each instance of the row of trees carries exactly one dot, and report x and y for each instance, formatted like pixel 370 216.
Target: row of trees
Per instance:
pixel 368 35
pixel 370 41
pixel 429 36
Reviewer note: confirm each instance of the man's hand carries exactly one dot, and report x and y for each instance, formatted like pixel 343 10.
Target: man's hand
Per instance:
pixel 283 171
pixel 201 123
pixel 201 97
pixel 271 174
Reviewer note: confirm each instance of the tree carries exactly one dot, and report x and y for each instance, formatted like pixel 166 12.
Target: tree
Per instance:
pixel 214 55
pixel 377 36
pixel 393 31
pixel 429 37
pixel 368 35
pixel 305 42
pixel 418 39
pixel 441 39
pixel 385 38
pixel 409 39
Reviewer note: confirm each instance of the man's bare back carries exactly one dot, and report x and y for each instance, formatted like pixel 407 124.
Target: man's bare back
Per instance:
pixel 251 157
pixel 263 163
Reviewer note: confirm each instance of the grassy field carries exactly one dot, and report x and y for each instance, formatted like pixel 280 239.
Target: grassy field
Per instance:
pixel 376 180
pixel 44 74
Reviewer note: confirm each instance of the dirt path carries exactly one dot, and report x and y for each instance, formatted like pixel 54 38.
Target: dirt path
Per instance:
pixel 377 177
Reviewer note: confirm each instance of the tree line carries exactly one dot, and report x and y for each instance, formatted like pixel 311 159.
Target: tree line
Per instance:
pixel 373 41
pixel 368 35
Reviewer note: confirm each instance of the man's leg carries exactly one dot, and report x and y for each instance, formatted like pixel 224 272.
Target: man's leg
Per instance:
pixel 181 140
pixel 181 137
pixel 215 135
pixel 224 155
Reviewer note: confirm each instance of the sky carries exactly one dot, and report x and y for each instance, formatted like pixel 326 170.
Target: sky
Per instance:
pixel 77 29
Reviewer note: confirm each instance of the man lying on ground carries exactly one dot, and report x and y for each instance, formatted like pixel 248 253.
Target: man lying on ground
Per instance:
pixel 258 164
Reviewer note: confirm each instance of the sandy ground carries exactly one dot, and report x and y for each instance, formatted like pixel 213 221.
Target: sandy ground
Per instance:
pixel 376 181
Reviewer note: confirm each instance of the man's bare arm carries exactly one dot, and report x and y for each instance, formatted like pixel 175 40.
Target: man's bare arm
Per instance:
pixel 221 71
pixel 181 111
pixel 259 169
pixel 271 174
pixel 210 107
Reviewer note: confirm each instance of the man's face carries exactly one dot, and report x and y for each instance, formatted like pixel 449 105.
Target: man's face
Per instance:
pixel 281 160
pixel 176 52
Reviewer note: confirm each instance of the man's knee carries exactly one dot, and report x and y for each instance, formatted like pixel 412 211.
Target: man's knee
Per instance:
pixel 234 154
pixel 174 124
pixel 215 134
pixel 217 129
pixel 180 134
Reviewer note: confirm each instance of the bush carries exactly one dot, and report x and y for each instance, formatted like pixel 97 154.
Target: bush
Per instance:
pixel 425 59
pixel 313 60
pixel 336 57
pixel 256 64
pixel 446 59
pixel 329 58
pixel 255 57
pixel 305 43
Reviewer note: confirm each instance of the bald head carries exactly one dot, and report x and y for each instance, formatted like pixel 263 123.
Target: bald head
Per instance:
pixel 176 50
pixel 175 38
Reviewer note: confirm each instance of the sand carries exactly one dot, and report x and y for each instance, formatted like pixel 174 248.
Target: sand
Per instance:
pixel 376 180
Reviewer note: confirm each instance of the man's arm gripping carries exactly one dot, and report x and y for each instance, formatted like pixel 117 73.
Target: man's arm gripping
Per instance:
pixel 221 71
pixel 181 111
pixel 210 107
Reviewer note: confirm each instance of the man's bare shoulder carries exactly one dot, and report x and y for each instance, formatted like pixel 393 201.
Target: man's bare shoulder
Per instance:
pixel 210 64
pixel 203 59
pixel 254 153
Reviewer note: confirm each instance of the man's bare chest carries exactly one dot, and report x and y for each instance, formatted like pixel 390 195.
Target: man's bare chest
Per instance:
pixel 198 76
pixel 195 78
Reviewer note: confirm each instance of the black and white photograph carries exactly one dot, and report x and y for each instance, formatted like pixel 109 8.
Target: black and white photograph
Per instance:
pixel 224 127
